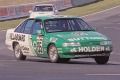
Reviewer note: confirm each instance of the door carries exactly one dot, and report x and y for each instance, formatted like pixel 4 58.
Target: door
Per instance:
pixel 37 40
pixel 24 33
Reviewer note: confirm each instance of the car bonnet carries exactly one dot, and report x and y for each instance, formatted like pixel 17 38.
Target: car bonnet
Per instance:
pixel 81 36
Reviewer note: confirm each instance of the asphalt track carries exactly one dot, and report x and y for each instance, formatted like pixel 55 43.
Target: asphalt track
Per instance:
pixel 107 22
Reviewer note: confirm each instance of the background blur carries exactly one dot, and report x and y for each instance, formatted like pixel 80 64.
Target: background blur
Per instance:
pixel 18 2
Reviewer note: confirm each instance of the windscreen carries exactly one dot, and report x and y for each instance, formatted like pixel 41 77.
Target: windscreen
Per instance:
pixel 66 24
pixel 43 8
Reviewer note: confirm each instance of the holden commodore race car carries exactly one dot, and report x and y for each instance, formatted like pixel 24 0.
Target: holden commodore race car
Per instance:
pixel 43 10
pixel 59 38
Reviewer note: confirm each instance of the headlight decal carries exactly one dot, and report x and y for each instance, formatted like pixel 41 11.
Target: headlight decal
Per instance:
pixel 106 43
pixel 71 44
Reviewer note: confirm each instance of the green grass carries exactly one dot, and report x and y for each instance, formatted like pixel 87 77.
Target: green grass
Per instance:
pixel 10 23
pixel 92 8
pixel 78 11
pixel 17 2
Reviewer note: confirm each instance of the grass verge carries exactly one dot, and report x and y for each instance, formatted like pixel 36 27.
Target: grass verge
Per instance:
pixel 17 2
pixel 78 11
pixel 92 8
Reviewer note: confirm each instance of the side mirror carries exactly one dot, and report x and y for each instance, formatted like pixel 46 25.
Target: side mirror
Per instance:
pixel 40 32
pixel 94 28
pixel 56 11
pixel 30 11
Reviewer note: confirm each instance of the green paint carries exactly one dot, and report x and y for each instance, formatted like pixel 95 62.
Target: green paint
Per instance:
pixel 89 42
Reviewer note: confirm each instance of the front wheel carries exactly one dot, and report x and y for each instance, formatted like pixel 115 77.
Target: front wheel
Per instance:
pixel 53 54
pixel 101 59
pixel 54 57
pixel 18 53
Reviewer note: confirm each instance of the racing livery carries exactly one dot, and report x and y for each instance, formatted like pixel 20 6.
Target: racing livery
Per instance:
pixel 60 38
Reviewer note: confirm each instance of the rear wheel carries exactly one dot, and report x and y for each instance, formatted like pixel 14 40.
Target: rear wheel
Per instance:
pixel 53 55
pixel 18 53
pixel 101 59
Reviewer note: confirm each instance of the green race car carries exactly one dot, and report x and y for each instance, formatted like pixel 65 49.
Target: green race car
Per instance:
pixel 60 38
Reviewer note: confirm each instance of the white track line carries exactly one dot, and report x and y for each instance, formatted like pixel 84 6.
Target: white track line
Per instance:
pixel 112 27
pixel 101 11
pixel 103 74
pixel 7 60
pixel 3 30
pixel 115 53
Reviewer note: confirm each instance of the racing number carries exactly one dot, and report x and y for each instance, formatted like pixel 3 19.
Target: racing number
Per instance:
pixel 39 47
pixel 39 44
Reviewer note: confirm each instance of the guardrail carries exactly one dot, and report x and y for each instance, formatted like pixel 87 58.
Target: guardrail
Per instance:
pixel 11 12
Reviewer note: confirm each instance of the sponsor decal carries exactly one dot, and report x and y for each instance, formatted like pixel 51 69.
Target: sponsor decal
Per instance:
pixel 38 45
pixel 59 48
pixel 17 37
pixel 59 35
pixel 73 50
pixel 25 49
pixel 93 49
pixel 79 33
pixel 108 48
pixel 60 51
pixel 93 55
pixel 53 39
pixel 87 38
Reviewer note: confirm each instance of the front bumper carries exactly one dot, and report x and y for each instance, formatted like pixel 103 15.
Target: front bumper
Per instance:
pixel 84 52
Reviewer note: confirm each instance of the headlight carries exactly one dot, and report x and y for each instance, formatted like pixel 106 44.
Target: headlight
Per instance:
pixel 70 44
pixel 106 43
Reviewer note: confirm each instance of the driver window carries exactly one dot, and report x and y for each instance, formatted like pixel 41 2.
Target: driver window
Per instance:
pixel 37 25
pixel 28 26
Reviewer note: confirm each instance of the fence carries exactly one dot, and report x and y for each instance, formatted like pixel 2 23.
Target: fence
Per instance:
pixel 11 12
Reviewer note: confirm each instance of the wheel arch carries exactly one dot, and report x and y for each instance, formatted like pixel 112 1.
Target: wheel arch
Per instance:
pixel 14 43
pixel 49 46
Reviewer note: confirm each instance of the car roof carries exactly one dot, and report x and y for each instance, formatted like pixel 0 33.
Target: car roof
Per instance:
pixel 54 17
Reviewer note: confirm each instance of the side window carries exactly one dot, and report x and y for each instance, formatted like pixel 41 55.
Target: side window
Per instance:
pixel 28 26
pixel 18 29
pixel 36 26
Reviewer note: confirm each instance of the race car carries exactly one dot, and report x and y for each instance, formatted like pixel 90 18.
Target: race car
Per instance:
pixel 43 10
pixel 59 38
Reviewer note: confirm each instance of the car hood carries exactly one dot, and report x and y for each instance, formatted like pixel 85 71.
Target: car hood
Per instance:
pixel 80 36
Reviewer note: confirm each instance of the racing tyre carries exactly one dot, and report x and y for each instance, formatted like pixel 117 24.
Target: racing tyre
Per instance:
pixel 54 57
pixel 53 54
pixel 18 53
pixel 102 59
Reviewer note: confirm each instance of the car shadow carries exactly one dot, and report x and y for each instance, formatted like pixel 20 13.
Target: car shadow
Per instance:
pixel 71 62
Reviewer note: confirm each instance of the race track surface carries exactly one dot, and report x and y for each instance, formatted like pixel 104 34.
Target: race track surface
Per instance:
pixel 79 69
